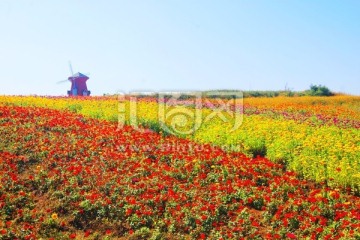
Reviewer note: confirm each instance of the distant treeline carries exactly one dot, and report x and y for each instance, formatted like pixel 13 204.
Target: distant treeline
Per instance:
pixel 314 90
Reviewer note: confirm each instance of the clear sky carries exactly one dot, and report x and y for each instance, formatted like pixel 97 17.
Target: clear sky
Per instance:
pixel 157 45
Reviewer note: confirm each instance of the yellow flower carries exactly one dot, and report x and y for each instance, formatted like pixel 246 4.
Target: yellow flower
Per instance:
pixel 319 195
pixel 54 216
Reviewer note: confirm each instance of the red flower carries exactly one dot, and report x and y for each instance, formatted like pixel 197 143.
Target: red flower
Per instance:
pixel 277 236
pixel 72 236
pixel 255 224
pixel 202 236
pixel 128 211
pixel 87 233
pixel 291 235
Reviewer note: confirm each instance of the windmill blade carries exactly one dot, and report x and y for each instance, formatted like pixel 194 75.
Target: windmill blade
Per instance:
pixel 62 81
pixel 71 69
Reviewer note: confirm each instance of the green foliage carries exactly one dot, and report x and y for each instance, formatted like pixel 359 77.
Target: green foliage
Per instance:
pixel 319 90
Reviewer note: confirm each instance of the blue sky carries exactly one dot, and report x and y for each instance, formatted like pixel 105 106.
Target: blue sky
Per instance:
pixel 179 45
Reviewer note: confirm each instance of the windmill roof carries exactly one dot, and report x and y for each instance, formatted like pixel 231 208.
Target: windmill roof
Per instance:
pixel 79 75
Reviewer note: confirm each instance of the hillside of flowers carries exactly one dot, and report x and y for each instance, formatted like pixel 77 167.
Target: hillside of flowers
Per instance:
pixel 67 176
pixel 317 137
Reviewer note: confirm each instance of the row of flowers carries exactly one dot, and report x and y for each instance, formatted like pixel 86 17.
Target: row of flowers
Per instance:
pixel 317 137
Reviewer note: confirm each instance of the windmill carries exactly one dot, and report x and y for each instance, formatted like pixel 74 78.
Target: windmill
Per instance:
pixel 78 84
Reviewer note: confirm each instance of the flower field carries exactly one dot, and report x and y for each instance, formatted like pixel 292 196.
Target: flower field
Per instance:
pixel 317 137
pixel 66 176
